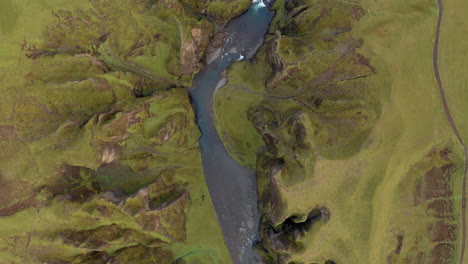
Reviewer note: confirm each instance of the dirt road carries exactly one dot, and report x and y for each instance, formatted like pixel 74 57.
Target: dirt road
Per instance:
pixel 448 115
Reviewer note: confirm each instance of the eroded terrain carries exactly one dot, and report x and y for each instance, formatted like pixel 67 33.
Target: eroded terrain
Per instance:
pixel 353 164
pixel 100 160
pixel 338 114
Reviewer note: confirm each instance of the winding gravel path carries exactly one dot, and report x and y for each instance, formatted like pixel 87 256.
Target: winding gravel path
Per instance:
pixel 448 115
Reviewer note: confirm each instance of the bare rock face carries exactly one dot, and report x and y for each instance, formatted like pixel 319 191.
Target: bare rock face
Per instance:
pixel 214 49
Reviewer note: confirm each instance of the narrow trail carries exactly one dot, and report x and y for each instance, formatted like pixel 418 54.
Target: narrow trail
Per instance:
pixel 448 116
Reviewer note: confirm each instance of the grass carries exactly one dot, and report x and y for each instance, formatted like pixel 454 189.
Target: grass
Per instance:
pixel 453 52
pixel 370 191
pixel 366 171
pixel 221 11
pixel 86 99
pixel 369 195
pixel 237 132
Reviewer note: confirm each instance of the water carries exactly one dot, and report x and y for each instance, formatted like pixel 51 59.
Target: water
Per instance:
pixel 232 187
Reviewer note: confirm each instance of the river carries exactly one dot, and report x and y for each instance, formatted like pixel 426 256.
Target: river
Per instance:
pixel 232 187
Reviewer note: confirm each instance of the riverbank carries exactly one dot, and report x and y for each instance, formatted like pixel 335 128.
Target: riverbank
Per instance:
pixel 232 187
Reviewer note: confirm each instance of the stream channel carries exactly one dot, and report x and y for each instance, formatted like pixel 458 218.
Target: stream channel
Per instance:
pixel 232 187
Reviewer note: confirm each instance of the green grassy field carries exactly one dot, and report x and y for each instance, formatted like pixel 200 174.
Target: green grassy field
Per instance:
pixel 100 161
pixel 453 51
pixel 339 113
pixel 393 196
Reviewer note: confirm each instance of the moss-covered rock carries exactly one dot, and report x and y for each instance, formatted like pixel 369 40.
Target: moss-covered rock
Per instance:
pixel 100 160
pixel 308 97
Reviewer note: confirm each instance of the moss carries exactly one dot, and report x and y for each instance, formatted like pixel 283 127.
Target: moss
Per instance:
pixel 318 99
pixel 89 127
pixel 222 11
pixel 139 254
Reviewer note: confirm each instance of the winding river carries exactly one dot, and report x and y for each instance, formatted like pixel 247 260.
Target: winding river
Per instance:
pixel 232 187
